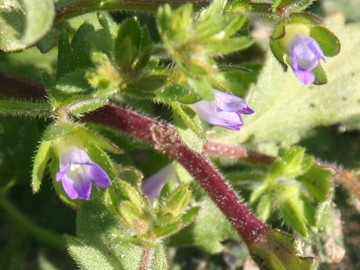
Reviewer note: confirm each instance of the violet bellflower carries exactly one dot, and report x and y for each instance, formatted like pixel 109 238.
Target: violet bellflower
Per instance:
pixel 305 54
pixel 225 111
pixel 152 185
pixel 78 171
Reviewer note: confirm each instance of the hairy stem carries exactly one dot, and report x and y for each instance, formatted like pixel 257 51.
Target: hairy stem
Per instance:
pixel 164 138
pixel 86 6
pixel 30 228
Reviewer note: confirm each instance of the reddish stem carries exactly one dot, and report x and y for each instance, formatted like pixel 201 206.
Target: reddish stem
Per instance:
pixel 164 138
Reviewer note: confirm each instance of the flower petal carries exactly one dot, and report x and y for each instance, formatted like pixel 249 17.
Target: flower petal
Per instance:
pixel 63 170
pixel 306 77
pixel 210 113
pixel 99 176
pixel 152 185
pixel 78 188
pixel 229 103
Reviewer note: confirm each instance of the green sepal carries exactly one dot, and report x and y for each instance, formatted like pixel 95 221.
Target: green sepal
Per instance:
pixel 133 218
pixel 168 229
pixel 281 3
pixel 81 135
pixel 202 87
pixel 225 26
pixel 304 19
pixel 166 190
pixel 127 192
pixel 276 250
pixel 263 207
pixel 295 162
pixel 130 175
pixel 279 51
pixel 41 159
pixel 188 125
pixel 298 6
pixel 175 92
pixel 185 220
pixel 279 31
pixel 320 75
pixel 215 9
pixel 100 157
pixel 292 5
pixel 176 202
pixel 227 46
pixel 317 182
pixel 325 216
pixel 296 209
pixel 328 42
pixel 258 192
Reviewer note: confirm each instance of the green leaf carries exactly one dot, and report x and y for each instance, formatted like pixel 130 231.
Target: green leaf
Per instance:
pixel 317 181
pixel 328 42
pixel 80 108
pixel 127 44
pixel 41 159
pixel 36 28
pixel 283 105
pixel 23 108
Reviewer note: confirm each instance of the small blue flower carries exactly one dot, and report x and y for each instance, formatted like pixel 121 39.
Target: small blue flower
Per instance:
pixel 77 171
pixel 305 54
pixel 225 111
pixel 152 185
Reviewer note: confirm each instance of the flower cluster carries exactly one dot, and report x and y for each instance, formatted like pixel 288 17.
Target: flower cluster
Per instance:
pixel 305 54
pixel 78 171
pixel 225 111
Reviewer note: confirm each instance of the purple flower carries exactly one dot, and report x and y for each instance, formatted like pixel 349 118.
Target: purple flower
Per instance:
pixel 225 111
pixel 77 171
pixel 305 54
pixel 152 185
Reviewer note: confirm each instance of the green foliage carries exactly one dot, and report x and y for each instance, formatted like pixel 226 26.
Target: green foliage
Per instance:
pixel 279 254
pixel 211 35
pixel 198 49
pixel 280 191
pixel 19 26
